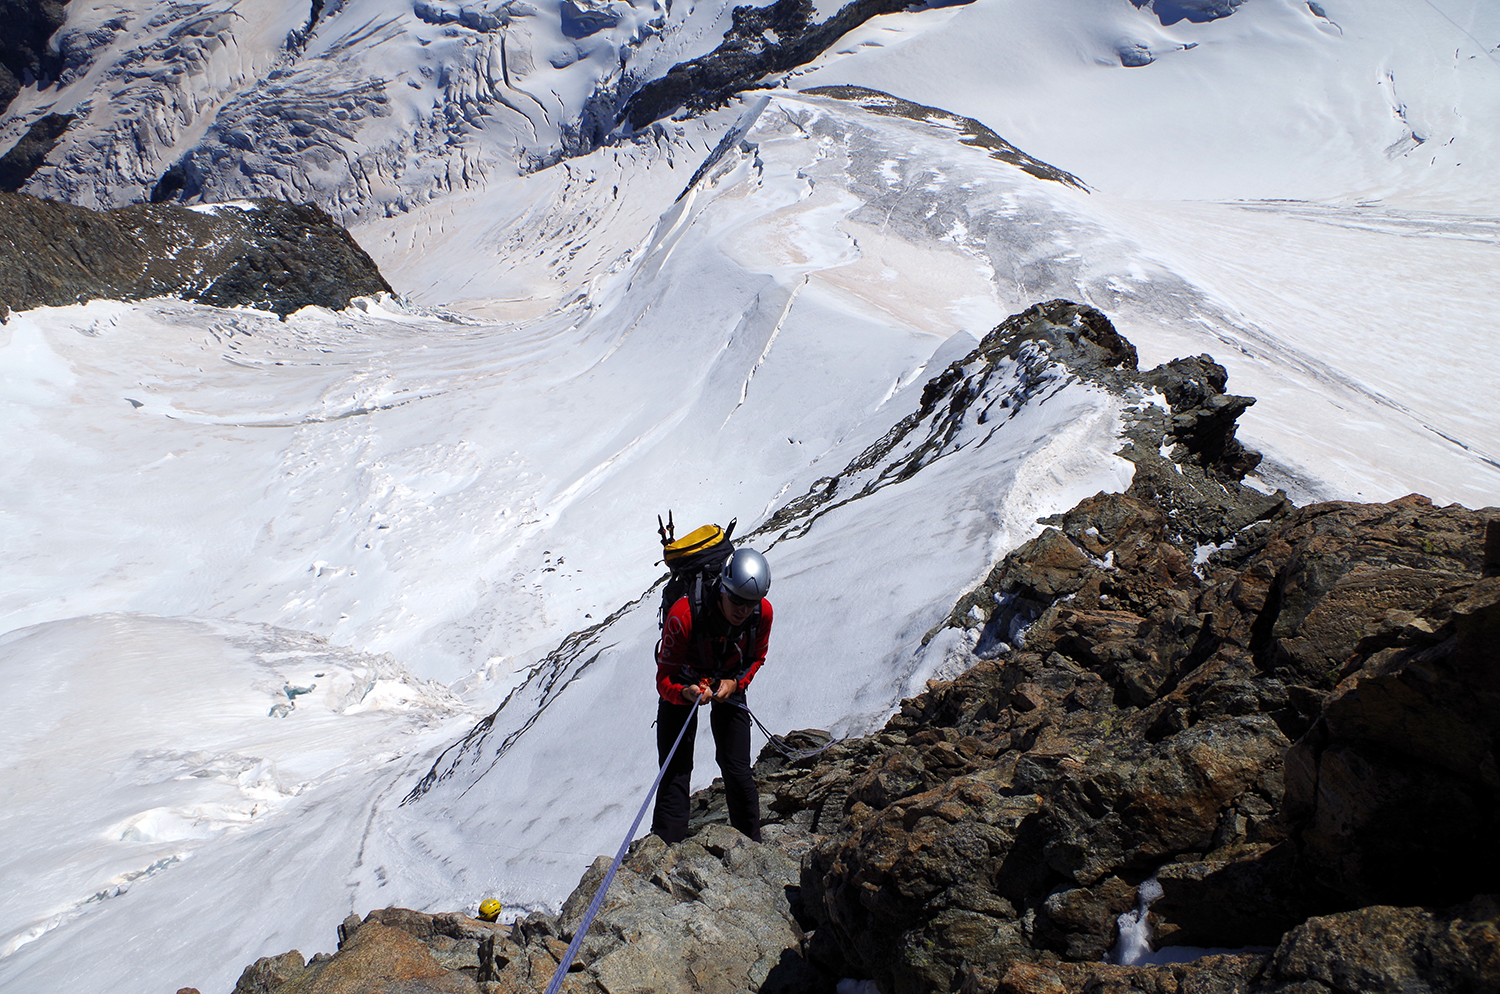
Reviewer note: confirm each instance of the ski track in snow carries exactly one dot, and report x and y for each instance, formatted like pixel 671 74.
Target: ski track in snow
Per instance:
pixel 386 523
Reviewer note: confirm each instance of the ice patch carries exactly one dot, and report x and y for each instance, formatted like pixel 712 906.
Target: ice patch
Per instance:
pixel 175 825
pixel 32 374
pixel 1134 942
pixel 946 655
pixel 237 205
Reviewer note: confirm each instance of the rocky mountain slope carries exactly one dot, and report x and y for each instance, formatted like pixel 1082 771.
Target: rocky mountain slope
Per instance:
pixel 266 254
pixel 1191 706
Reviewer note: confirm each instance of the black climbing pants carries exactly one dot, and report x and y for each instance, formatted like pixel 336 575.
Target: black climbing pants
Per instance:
pixel 731 729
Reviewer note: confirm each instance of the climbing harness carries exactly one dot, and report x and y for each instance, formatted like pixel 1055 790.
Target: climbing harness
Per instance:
pixel 588 916
pixel 776 740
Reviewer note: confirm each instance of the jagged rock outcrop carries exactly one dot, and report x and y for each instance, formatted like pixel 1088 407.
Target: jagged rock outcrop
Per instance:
pixel 1151 659
pixel 1376 950
pixel 1197 11
pixel 1140 725
pixel 390 951
pixel 709 914
pixel 266 254
pixel 1394 794
pixel 1144 666
pixel 968 130
pixel 760 41
pixel 27 155
pixel 1284 718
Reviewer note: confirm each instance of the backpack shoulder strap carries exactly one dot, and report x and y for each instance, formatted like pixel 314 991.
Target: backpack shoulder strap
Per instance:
pixel 695 603
pixel 752 635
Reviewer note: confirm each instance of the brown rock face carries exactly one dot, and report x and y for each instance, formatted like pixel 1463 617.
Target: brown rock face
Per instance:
pixel 270 255
pixel 1139 727
pixel 1130 730
pixel 1394 794
pixel 708 914
pixel 390 951
pixel 1384 950
pixel 1377 950
pixel 270 972
pixel 378 959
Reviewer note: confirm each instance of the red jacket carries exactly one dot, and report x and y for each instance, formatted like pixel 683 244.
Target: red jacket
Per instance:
pixel 681 660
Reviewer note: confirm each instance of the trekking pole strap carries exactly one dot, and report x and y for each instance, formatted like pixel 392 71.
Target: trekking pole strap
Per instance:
pixel 588 916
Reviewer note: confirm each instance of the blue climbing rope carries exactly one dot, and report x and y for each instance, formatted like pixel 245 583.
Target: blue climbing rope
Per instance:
pixel 588 916
pixel 598 901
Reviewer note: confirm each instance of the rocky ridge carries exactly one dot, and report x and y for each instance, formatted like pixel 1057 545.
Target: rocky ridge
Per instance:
pixel 969 131
pixel 1194 705
pixel 760 42
pixel 27 155
pixel 266 254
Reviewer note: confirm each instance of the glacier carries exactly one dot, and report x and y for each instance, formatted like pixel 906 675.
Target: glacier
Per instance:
pixel 438 507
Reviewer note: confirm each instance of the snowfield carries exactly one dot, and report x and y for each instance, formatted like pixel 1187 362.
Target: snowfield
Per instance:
pixel 260 576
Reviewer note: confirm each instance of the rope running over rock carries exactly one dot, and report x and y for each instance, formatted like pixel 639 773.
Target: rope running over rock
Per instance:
pixel 598 901
pixel 588 917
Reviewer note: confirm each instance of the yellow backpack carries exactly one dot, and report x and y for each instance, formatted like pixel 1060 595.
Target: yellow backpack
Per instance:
pixel 696 556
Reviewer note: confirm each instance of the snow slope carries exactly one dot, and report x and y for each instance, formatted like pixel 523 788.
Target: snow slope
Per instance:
pixel 1282 100
pixel 142 749
pixel 446 502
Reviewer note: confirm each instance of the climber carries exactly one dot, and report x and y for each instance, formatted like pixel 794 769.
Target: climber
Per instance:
pixel 709 653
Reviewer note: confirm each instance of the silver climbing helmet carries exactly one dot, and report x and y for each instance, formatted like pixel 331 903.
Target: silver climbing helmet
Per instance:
pixel 746 575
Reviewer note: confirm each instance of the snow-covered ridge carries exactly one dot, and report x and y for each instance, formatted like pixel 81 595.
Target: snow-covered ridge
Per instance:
pixel 1025 406
pixel 969 131
pixel 465 476
pixel 965 475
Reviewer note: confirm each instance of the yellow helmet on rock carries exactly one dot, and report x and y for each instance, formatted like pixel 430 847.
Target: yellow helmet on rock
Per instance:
pixel 489 909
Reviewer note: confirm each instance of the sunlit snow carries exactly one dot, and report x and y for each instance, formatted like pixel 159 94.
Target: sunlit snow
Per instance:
pixel 420 508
